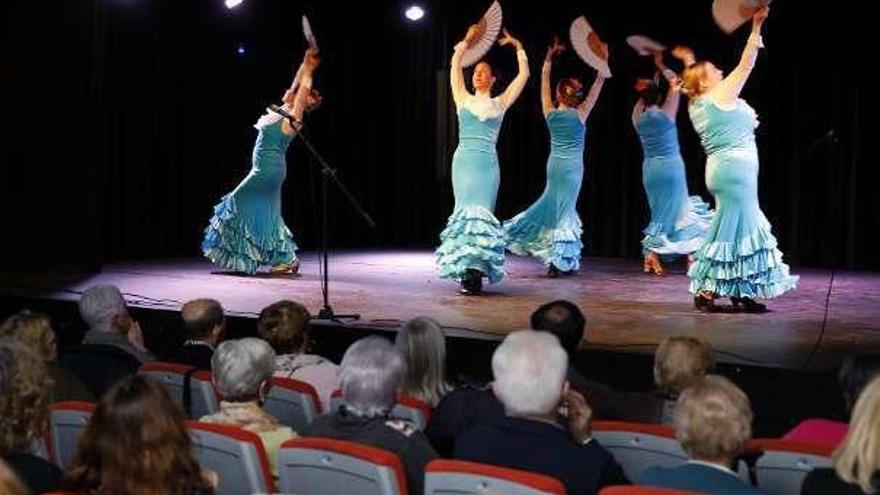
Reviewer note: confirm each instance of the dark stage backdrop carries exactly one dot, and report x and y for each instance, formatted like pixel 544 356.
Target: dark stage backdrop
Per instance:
pixel 122 122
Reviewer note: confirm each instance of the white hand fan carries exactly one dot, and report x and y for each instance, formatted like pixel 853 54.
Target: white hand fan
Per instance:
pixel 643 45
pixel 589 46
pixel 731 14
pixel 307 32
pixel 488 29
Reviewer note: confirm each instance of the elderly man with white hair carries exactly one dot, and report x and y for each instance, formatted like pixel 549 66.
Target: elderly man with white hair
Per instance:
pixel 369 376
pixel 546 428
pixel 103 309
pixel 242 372
pixel 113 347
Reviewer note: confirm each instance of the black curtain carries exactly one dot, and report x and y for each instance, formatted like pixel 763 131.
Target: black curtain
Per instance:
pixel 124 121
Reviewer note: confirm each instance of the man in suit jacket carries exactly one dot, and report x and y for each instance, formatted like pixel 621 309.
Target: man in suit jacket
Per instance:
pixel 546 428
pixel 713 422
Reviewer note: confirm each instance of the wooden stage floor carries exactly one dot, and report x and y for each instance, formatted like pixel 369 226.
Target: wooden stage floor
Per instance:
pixel 627 310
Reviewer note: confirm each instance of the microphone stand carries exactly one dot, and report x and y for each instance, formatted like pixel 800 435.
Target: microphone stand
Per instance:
pixel 328 174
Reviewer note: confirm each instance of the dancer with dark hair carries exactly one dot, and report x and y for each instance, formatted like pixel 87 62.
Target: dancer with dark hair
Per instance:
pixel 472 246
pixel 679 222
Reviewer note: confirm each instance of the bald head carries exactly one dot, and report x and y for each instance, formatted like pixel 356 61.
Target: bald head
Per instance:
pixel 203 319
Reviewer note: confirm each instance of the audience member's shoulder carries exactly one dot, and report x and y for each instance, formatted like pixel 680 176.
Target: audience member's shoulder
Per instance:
pixel 653 475
pixel 39 474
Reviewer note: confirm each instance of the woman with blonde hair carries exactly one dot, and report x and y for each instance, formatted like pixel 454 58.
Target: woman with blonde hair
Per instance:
pixel 857 460
pixel 24 409
pixel 740 258
pixel 136 443
pixel 679 362
pixel 34 329
pixel 422 345
pixel 713 424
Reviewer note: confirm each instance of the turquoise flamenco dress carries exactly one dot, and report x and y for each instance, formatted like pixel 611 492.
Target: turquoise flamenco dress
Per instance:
pixel 550 229
pixel 247 231
pixel 740 258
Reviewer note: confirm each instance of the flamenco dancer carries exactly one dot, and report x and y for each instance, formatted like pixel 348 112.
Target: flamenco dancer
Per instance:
pixel 247 231
pixel 472 246
pixel 679 222
pixel 740 259
pixel 550 229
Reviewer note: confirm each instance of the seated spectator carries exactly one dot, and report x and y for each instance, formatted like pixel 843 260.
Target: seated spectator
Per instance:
pixel 370 375
pixel 458 411
pixel 530 369
pixel 113 346
pixel 566 321
pixel 205 324
pixel 35 331
pixel 422 344
pixel 24 409
pixel 679 362
pixel 285 326
pixel 137 444
pixel 855 373
pixel 857 460
pixel 713 423
pixel 242 372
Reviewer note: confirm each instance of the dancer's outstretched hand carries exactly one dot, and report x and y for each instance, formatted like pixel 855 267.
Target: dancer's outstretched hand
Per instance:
pixel 507 39
pixel 312 59
pixel 555 49
pixel 760 16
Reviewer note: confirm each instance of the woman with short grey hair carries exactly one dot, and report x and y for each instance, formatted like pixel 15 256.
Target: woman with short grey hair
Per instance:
pixel 713 423
pixel 422 344
pixel 242 376
pixel 370 374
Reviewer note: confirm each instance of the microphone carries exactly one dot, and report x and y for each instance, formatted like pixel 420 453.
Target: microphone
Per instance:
pixel 282 112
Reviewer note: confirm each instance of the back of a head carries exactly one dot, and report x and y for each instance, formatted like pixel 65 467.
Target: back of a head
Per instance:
pixel 241 366
pixel 856 372
pixel 99 305
pixel 24 399
pixel 648 91
pixel 564 320
pixel 422 344
pixel 713 419
pixel 857 459
pixel 530 369
pixel 681 361
pixel 369 376
pixel 285 326
pixel 32 329
pixel 201 316
pixel 136 443
pixel 692 78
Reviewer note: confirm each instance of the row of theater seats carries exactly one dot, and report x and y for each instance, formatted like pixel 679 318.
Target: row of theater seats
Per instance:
pixel 292 402
pixel 317 465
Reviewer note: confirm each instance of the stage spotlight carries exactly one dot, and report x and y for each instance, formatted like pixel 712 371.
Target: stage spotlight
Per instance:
pixel 414 13
pixel 240 50
pixel 231 4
